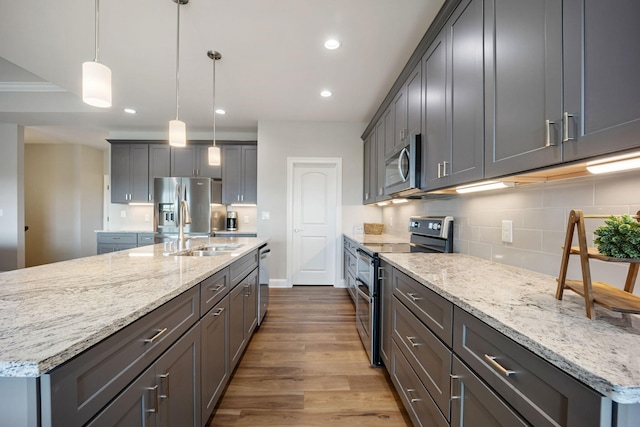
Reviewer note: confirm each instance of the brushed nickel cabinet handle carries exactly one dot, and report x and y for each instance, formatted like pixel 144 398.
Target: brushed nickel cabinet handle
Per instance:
pixel 158 334
pixel 218 312
pixel 565 127
pixel 413 297
pixel 412 399
pixel 412 342
pixel 452 378
pixel 547 133
pixel 493 362
pixel 156 399
pixel 444 168
pixel 217 288
pixel 165 378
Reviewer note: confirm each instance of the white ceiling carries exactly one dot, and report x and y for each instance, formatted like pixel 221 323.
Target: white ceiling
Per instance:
pixel 273 64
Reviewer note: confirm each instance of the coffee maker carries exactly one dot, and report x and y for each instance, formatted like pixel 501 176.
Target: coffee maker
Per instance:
pixel 232 220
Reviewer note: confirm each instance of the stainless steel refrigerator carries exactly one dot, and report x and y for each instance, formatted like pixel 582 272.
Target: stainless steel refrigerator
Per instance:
pixel 199 193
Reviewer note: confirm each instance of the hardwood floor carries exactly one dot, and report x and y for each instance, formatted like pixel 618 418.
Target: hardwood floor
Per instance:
pixel 306 366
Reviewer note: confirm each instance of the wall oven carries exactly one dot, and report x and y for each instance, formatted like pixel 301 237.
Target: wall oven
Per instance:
pixel 402 168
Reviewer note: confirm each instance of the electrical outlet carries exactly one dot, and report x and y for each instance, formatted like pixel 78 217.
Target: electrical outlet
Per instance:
pixel 265 215
pixel 507 231
pixel 246 219
pixel 123 213
pixel 147 217
pixel 391 221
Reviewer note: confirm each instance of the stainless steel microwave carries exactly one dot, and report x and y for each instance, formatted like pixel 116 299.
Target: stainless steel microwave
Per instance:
pixel 402 168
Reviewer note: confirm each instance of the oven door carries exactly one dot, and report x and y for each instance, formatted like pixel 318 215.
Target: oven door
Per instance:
pixel 364 316
pixel 402 169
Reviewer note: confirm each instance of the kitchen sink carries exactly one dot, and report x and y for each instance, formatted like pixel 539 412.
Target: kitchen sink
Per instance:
pixel 212 249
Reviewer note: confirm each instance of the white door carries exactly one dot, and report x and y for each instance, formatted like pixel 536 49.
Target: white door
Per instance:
pixel 314 213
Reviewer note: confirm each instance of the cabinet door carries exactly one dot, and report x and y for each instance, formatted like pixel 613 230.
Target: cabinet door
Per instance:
pixel 236 325
pixel 366 178
pixel 203 167
pixel 215 358
pixel 139 167
pixel 178 379
pixel 249 174
pixel 435 136
pixel 380 158
pixel 251 304
pixel 159 163
pixel 523 85
pixel 466 98
pixel 399 117
pixel 134 407
pixel 183 161
pixel 414 101
pixel 602 89
pixel 475 404
pixel 231 173
pixel 386 325
pixel 120 174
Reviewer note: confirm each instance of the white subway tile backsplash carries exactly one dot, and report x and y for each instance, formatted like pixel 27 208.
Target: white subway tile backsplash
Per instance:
pixel 539 213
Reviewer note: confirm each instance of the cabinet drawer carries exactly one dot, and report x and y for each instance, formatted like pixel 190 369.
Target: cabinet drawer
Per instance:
pixel 81 387
pixel 241 268
pixel 145 239
pixel 540 392
pixel 429 357
pixel 351 263
pixel 118 238
pixel 433 310
pixel 350 246
pixel 421 408
pixel 213 289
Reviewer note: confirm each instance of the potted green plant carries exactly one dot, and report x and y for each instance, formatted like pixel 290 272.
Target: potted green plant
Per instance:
pixel 619 237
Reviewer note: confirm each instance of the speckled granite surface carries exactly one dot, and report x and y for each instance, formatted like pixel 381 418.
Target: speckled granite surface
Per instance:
pixel 375 238
pixel 50 313
pixel 604 354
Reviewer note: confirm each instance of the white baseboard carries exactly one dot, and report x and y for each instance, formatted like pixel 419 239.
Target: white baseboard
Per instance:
pixel 279 283
pixel 341 284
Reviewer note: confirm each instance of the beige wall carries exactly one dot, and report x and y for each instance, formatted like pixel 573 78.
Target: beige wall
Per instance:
pixel 279 140
pixel 539 213
pixel 63 201
pixel 12 238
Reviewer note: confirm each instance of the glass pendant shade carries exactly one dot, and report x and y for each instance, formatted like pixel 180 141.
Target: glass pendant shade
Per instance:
pixel 96 84
pixel 214 156
pixel 177 133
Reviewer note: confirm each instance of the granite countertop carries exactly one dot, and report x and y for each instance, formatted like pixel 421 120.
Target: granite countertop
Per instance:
pixel 52 312
pixel 125 230
pixel 602 353
pixel 375 238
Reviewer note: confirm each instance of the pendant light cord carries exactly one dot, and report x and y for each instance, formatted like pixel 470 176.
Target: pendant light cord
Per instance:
pixel 178 63
pixel 97 29
pixel 214 101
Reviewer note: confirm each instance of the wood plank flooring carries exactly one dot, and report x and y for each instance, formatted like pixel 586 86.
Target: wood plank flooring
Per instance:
pixel 305 366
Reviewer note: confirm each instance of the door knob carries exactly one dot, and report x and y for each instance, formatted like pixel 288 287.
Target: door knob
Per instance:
pixel 297 230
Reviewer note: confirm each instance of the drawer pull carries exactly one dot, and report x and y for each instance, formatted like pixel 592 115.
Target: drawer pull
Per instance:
pixel 159 333
pixel 492 360
pixel 412 399
pixel 165 377
pixel 218 312
pixel 155 399
pixel 413 297
pixel 413 344
pixel 451 393
pixel 217 288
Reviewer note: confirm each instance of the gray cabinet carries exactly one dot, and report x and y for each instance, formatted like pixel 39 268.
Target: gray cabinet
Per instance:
pixel 239 174
pixel 243 306
pixel 159 164
pixel 414 102
pixel 523 85
pixel 166 394
pixel 381 154
pixel 113 242
pixel 386 319
pixel 349 267
pixel 370 170
pixel 475 404
pixel 215 358
pixel 601 85
pixel 193 160
pixel 454 112
pixel 129 173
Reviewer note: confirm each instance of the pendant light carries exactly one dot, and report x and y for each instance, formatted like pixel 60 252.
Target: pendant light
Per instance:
pixel 177 128
pixel 214 151
pixel 96 77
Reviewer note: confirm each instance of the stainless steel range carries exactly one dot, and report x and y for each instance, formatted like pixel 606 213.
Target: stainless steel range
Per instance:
pixel 428 234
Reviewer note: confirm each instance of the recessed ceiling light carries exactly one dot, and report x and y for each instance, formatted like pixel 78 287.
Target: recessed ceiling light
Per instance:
pixel 332 44
pixel 326 93
pixel 220 111
pixel 130 110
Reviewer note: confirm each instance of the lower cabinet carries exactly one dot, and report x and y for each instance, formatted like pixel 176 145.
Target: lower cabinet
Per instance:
pixel 166 394
pixel 243 306
pixel 114 242
pixel 386 325
pixel 214 328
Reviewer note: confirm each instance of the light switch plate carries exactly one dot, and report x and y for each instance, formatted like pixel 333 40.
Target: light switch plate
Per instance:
pixel 507 231
pixel 246 219
pixel 123 213
pixel 1 212
pixel 265 215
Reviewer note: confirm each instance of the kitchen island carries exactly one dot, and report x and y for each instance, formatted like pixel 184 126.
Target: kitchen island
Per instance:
pixel 520 305
pixel 52 314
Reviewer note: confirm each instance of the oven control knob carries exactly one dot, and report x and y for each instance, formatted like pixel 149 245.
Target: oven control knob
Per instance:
pixel 437 226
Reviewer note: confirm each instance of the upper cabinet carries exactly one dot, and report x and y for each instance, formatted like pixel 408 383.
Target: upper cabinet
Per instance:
pixel 601 84
pixel 382 149
pixel 239 174
pixel 130 173
pixel 193 160
pixel 159 164
pixel 453 125
pixel 523 85
pixel 370 170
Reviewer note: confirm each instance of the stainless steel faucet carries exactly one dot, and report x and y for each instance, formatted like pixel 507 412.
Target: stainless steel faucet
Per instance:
pixel 185 218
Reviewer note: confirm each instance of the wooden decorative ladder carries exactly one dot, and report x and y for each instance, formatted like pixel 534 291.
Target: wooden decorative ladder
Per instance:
pixel 608 296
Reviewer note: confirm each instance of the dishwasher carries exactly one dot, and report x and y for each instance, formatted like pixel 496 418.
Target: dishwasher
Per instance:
pixel 263 282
